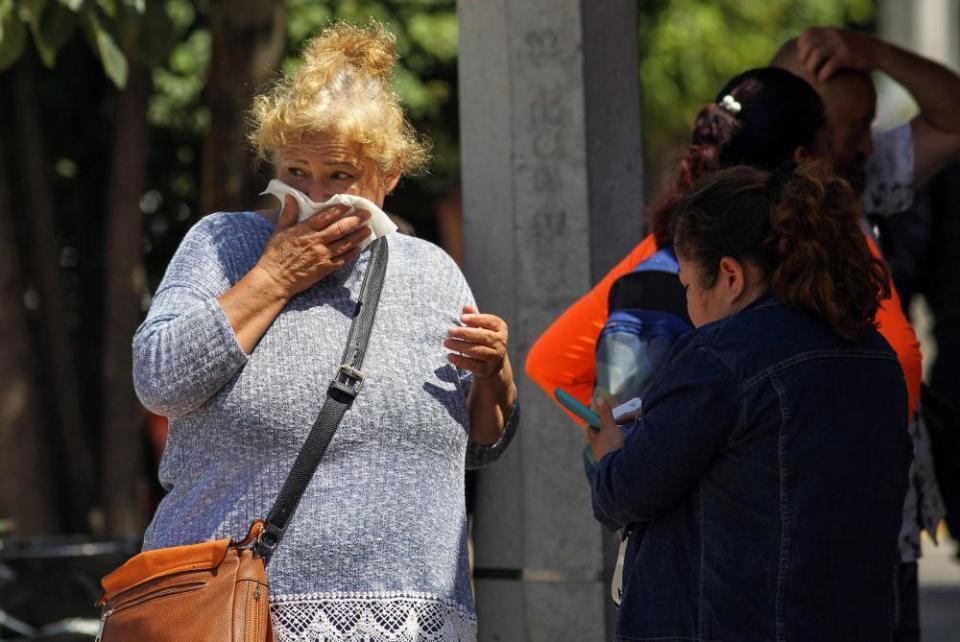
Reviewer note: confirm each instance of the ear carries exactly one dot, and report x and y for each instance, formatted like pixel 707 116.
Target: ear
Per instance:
pixel 390 180
pixel 732 276
pixel 801 154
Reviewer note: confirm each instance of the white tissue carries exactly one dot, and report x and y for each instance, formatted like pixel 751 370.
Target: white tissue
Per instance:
pixel 379 222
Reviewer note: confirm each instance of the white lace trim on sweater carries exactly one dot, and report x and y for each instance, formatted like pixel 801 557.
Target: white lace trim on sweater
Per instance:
pixel 370 617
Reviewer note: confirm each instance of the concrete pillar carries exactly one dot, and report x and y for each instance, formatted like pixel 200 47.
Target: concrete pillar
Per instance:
pixel 928 27
pixel 552 188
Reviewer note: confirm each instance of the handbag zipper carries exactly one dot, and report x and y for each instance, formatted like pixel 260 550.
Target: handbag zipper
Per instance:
pixel 173 590
pixel 256 614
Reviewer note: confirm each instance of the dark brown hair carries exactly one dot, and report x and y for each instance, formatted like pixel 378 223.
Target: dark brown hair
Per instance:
pixel 778 112
pixel 800 227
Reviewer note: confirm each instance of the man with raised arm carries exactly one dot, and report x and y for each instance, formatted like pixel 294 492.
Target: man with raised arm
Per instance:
pixel 886 166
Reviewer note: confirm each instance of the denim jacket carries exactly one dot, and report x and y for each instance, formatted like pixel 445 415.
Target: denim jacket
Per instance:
pixel 769 469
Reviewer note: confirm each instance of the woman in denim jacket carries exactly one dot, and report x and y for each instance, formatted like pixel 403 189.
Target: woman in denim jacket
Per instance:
pixel 770 463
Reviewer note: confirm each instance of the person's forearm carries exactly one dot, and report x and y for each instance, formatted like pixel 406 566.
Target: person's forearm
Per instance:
pixel 183 353
pixel 251 306
pixel 935 88
pixel 490 402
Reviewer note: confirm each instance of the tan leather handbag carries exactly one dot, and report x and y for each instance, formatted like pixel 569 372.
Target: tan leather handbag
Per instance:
pixel 216 591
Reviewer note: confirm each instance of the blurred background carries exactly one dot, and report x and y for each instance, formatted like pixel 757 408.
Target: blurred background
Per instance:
pixel 122 122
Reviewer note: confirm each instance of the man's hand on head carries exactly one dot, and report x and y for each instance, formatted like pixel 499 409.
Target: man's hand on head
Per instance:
pixel 823 51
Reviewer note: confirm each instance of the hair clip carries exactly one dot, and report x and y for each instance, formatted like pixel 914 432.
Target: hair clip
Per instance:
pixel 731 104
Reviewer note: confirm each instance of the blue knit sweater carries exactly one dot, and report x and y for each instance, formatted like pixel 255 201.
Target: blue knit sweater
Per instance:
pixel 377 550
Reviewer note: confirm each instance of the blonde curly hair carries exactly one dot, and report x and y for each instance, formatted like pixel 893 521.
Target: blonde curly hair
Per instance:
pixel 342 89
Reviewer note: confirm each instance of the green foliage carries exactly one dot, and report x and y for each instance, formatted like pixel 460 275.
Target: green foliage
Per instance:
pixel 158 34
pixel 436 34
pixel 305 18
pixel 103 36
pixel 178 84
pixel 13 35
pixel 690 48
pixel 51 29
pixel 114 30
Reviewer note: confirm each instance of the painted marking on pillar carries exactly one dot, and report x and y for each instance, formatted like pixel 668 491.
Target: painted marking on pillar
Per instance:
pixel 542 45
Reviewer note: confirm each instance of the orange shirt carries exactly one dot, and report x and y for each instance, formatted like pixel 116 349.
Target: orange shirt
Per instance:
pixel 893 324
pixel 564 355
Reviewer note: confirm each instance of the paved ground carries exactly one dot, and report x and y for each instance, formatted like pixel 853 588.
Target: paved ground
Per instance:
pixel 940 614
pixel 940 593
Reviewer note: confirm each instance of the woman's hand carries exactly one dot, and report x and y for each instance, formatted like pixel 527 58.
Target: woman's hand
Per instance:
pixel 609 437
pixel 297 256
pixel 480 346
pixel 300 254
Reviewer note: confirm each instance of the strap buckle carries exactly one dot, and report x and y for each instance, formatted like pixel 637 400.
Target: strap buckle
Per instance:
pixel 267 541
pixel 348 380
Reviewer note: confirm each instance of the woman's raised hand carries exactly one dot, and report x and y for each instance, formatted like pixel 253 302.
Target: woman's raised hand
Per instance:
pixel 480 345
pixel 300 254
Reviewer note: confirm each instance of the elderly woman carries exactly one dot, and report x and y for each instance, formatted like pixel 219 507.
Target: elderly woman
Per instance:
pixel 248 327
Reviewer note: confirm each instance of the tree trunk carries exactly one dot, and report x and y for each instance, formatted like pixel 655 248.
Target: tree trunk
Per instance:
pixel 26 488
pixel 62 378
pixel 249 37
pixel 123 490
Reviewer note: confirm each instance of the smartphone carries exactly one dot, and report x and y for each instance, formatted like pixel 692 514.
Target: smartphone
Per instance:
pixel 577 408
pixel 628 411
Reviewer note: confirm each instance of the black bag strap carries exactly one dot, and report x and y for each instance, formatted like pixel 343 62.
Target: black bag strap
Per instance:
pixel 341 392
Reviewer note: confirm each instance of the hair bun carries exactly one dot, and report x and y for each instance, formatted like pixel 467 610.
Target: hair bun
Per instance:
pixel 714 126
pixel 369 48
